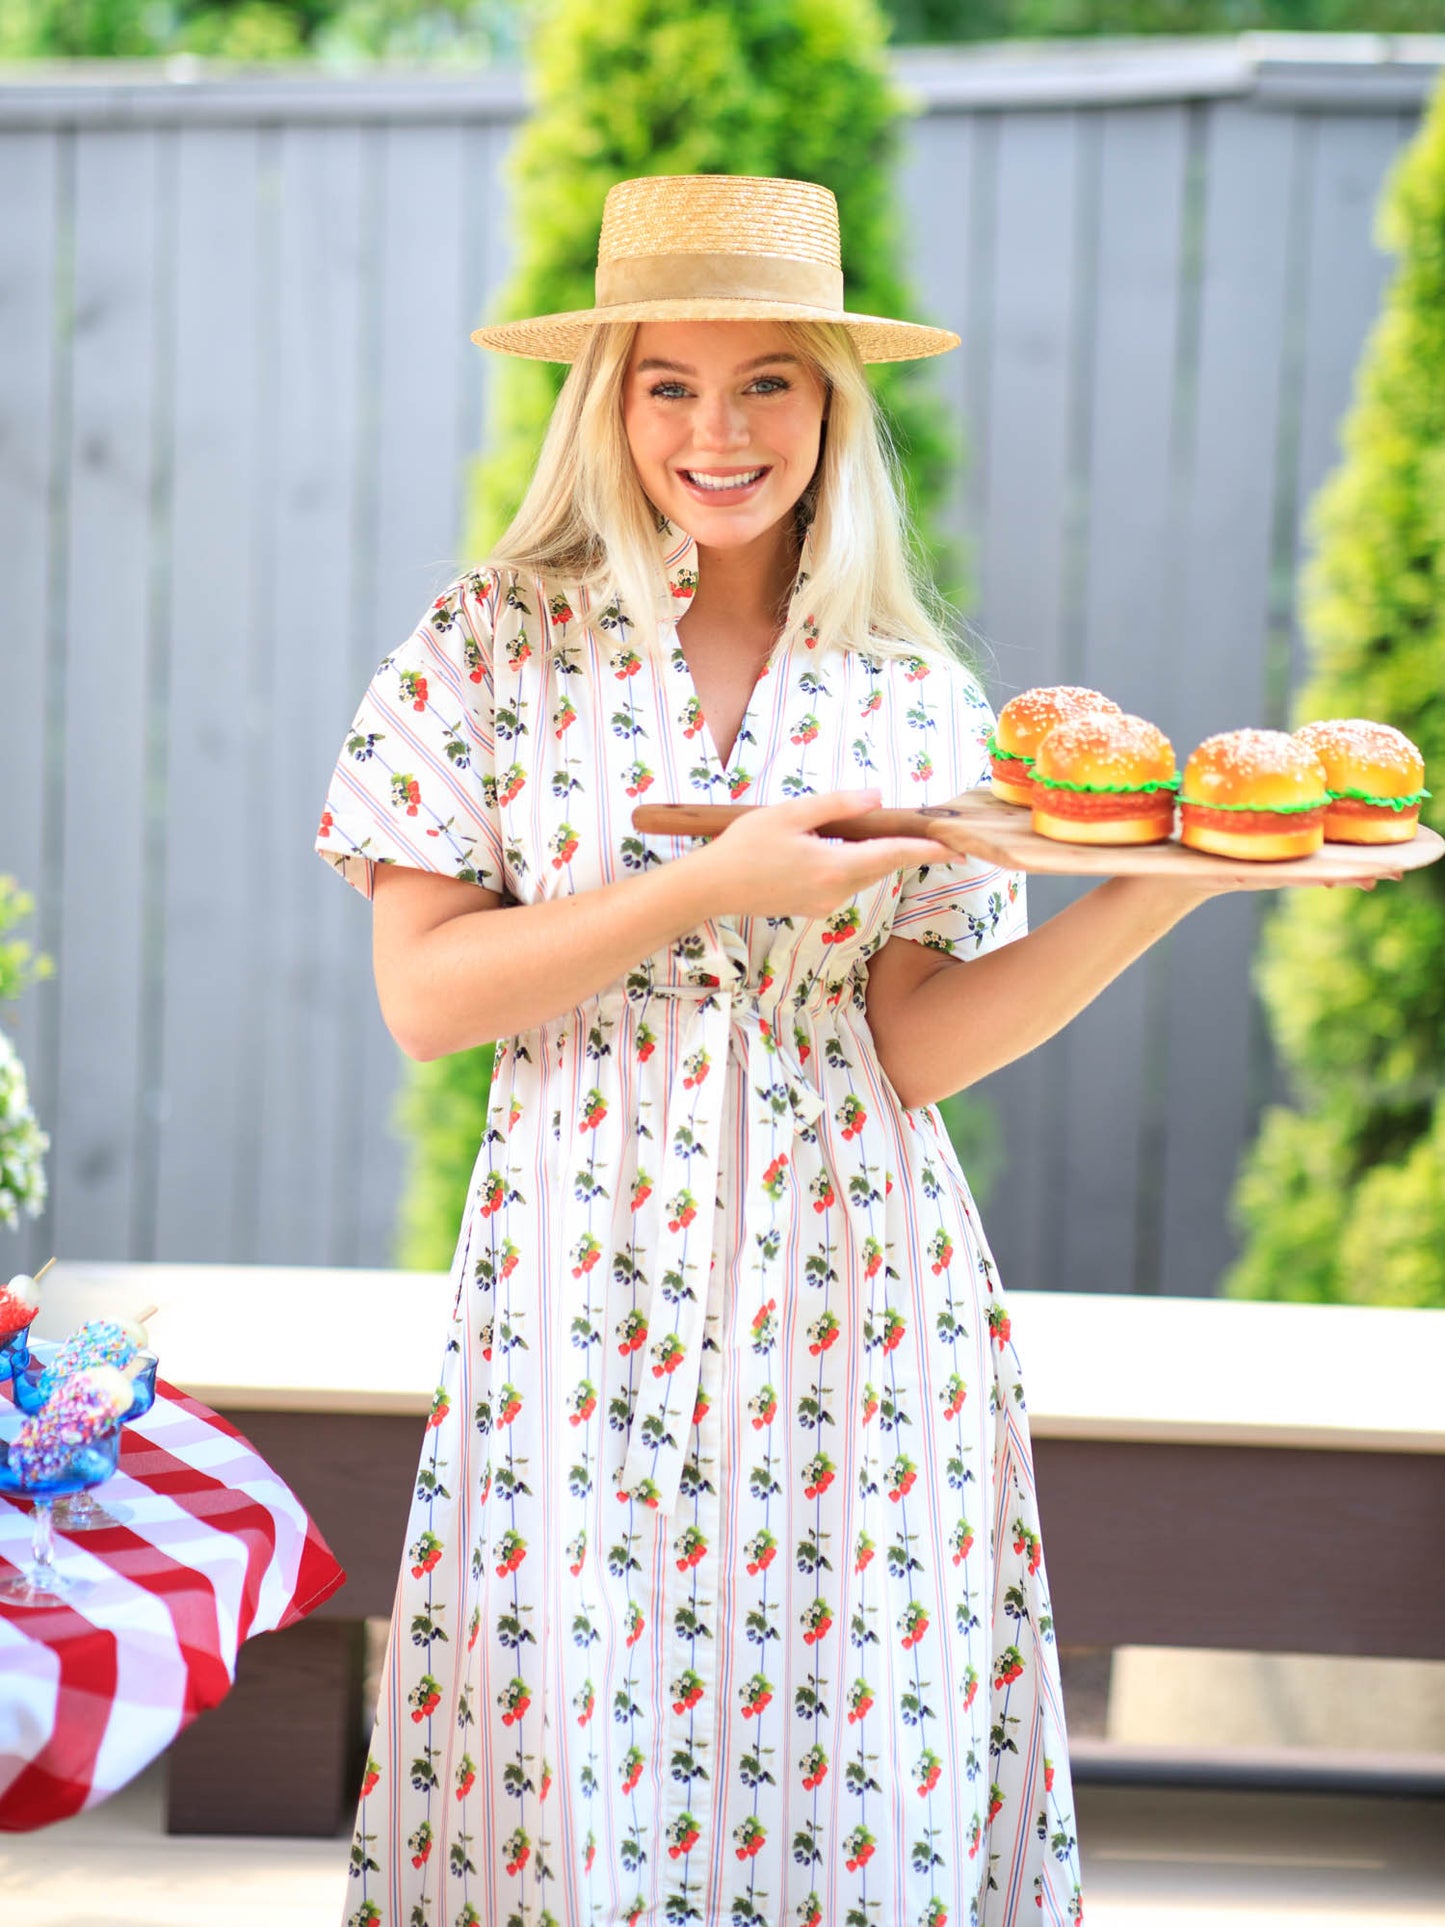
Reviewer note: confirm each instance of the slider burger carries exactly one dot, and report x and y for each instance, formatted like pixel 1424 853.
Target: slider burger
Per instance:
pixel 1374 776
pixel 1254 793
pixel 1022 724
pixel 1104 779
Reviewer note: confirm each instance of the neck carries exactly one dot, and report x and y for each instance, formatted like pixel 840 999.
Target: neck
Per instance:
pixel 752 583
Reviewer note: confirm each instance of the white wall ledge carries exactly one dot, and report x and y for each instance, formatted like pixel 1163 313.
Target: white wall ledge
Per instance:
pixel 1101 1367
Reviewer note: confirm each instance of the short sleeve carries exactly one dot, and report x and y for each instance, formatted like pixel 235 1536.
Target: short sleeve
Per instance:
pixel 970 906
pixel 415 782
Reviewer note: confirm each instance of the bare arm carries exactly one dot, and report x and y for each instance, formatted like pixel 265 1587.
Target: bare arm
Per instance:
pixel 451 972
pixel 940 1023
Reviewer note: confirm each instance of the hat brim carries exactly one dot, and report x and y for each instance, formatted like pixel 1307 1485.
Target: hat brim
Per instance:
pixel 562 337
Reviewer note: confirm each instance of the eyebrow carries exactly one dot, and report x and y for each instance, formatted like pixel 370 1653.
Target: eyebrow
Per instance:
pixel 680 368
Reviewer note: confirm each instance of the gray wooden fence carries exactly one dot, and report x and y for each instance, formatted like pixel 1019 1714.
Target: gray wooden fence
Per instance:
pixel 237 399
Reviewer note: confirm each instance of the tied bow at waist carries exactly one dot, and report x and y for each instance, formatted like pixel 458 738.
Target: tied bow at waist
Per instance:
pixel 668 1330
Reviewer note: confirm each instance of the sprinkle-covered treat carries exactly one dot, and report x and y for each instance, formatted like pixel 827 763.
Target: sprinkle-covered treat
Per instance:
pixel 100 1341
pixel 88 1403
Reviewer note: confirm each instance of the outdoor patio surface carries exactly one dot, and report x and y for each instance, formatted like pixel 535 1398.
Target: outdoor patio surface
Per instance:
pixel 1152 1858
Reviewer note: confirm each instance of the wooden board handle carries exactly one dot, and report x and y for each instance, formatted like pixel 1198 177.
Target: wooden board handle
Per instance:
pixel 708 819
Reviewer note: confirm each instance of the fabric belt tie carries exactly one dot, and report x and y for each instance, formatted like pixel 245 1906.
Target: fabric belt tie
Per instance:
pixel 782 1102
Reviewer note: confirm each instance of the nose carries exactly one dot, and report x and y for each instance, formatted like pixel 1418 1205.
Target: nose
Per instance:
pixel 720 423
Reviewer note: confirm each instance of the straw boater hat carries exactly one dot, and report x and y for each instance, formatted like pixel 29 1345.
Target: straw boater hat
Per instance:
pixel 717 247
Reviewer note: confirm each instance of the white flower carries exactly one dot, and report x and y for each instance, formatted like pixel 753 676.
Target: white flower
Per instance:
pixel 22 1142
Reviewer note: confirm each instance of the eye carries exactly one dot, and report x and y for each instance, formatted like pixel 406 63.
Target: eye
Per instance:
pixel 666 390
pixel 772 384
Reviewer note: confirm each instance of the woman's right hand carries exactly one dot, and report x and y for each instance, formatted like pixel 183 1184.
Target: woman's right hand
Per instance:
pixel 770 864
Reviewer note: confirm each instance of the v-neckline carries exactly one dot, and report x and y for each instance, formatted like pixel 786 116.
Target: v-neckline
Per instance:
pixel 770 668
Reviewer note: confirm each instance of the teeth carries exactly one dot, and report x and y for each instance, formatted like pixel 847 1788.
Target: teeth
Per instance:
pixel 722 481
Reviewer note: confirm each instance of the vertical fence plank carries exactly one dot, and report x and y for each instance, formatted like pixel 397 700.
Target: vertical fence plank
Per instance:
pixel 1124 619
pixel 1219 662
pixel 935 201
pixel 308 685
pixel 1033 224
pixel 216 865
pixel 34 357
pixel 417 533
pixel 99 965
pixel 1021 578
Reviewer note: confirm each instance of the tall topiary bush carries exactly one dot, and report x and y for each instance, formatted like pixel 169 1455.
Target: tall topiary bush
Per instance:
pixel 796 88
pixel 1343 1198
pixel 22 1142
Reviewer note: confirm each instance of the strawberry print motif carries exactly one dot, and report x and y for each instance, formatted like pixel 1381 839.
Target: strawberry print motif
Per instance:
pixel 425 1555
pixel 424 1698
pixel 763 1405
pixel 564 845
pixel 691 1609
pixel 687 1690
pixel 749 1838
pixel 952 1395
pixel 760 1551
pixel 817 1620
pixel 842 925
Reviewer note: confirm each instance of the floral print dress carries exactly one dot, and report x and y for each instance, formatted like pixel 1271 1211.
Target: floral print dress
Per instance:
pixel 723 1599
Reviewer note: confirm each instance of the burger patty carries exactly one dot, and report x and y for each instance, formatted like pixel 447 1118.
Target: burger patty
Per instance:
pixel 1260 822
pixel 1103 806
pixel 1013 769
pixel 1356 806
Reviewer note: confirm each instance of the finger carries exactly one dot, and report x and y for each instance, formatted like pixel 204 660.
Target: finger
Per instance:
pixel 827 804
pixel 884 853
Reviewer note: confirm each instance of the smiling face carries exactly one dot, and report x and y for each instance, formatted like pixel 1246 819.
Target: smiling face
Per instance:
pixel 724 421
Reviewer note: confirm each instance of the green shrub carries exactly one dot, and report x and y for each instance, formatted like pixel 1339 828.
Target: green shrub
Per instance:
pixel 1344 1199
pixel 795 88
pixel 22 1142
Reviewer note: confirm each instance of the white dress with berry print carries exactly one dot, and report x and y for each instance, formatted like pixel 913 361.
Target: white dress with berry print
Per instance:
pixel 723 1599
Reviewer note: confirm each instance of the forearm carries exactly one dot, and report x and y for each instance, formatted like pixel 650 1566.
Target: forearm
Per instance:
pixel 969 1019
pixel 491 973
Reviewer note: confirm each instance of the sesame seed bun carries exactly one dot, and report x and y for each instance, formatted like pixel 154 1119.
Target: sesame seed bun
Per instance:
pixel 1024 721
pixel 1367 765
pixel 1092 781
pixel 1253 793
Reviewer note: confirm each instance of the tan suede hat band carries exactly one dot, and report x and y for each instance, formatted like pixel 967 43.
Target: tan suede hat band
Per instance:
pixel 679 247
pixel 723 277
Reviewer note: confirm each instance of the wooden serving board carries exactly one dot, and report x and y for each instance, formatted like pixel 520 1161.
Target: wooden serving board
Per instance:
pixel 979 824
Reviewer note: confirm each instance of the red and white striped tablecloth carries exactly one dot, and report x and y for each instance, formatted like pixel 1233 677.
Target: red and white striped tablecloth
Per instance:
pixel 217 1549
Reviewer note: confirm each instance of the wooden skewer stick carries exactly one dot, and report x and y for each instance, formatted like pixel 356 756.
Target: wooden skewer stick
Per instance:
pixel 43 1269
pixel 144 1317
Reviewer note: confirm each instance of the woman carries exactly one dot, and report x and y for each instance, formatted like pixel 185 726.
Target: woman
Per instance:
pixel 723 1598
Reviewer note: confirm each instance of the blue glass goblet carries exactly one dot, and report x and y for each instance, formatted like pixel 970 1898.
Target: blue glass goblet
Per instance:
pixel 39 1583
pixel 14 1351
pixel 81 1513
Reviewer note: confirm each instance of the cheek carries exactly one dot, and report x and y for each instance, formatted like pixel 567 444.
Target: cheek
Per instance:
pixel 646 437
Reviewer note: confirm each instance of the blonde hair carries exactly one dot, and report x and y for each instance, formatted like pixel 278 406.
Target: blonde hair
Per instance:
pixel 586 520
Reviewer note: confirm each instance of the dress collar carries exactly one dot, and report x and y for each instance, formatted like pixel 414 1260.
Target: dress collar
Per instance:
pixel 680 565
